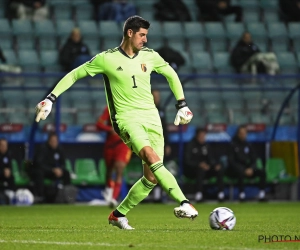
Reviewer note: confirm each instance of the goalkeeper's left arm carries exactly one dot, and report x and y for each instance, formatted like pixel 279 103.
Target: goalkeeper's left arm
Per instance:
pixel 184 114
pixel 43 109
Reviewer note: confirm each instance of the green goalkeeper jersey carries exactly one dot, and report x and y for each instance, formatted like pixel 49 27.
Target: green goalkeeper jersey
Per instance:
pixel 127 82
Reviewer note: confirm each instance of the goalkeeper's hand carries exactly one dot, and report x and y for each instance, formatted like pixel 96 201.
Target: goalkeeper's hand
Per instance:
pixel 184 114
pixel 43 109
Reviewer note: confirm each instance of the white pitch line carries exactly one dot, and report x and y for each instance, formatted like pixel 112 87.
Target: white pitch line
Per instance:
pixel 74 243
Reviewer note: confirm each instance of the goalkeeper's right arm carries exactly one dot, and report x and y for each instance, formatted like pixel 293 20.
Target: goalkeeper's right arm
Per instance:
pixel 43 109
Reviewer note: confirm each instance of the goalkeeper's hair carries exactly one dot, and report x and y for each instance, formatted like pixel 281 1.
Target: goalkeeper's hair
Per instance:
pixel 135 23
pixel 200 130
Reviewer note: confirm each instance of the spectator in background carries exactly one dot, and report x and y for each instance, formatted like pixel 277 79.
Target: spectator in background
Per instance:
pixel 171 56
pixel 169 10
pixel 115 10
pixel 74 52
pixel 49 163
pixel 242 163
pixel 116 155
pixel 35 10
pixel 200 164
pixel 247 58
pixel 215 10
pixel 6 176
pixel 290 9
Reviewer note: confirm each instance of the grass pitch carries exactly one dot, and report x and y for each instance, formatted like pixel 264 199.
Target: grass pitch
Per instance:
pixel 86 227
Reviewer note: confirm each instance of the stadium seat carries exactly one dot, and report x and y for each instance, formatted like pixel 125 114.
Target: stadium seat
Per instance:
pixel 233 94
pixel 85 117
pixel 109 43
pixel 213 105
pixel 294 30
pixel 187 59
pixel 5 29
pixel 155 44
pixel 29 60
pixel 260 118
pixel 155 31
pixel 177 45
pixel 185 70
pixel 146 14
pixel 251 16
pixel 217 45
pixel 44 28
pixel 276 171
pixel 278 35
pixel 68 118
pixel 102 171
pixel 21 118
pixel 172 30
pixel 21 179
pixel 206 95
pixel 287 62
pixel 216 118
pixel 239 118
pixel 62 10
pixel 257 30
pixel 249 4
pixel 201 62
pixel 133 170
pixel 26 43
pixel 10 56
pixel 7 42
pixel 86 172
pixel 216 36
pixel 234 30
pixel 88 28
pixel 271 16
pixel 193 30
pixel 109 29
pixel 269 4
pixel 214 30
pixel 64 28
pixel 286 119
pixel 69 166
pixel 22 27
pixel 197 45
pixel 49 60
pixel 234 104
pixel 221 62
pixel 84 11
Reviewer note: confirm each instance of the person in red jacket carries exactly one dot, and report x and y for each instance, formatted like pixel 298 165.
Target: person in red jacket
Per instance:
pixel 116 156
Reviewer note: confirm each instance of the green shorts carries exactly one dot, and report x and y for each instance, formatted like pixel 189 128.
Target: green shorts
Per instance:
pixel 137 135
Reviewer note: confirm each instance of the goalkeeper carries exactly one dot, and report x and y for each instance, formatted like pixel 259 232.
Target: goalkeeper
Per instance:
pixel 126 71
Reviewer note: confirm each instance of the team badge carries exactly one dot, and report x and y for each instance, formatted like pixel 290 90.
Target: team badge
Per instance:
pixel 143 66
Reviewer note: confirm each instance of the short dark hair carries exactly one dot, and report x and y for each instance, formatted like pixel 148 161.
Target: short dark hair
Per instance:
pixel 200 130
pixel 3 139
pixel 135 23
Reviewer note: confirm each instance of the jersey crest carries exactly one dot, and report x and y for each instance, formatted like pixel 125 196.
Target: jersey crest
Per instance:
pixel 143 66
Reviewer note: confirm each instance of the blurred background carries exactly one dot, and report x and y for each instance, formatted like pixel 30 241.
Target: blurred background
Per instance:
pixel 238 61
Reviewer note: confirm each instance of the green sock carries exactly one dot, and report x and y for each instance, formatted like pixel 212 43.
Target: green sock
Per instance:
pixel 167 181
pixel 139 191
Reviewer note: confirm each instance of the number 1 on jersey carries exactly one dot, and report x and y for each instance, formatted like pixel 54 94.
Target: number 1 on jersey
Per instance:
pixel 134 84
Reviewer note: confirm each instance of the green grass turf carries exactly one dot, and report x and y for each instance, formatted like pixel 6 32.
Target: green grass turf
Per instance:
pixel 86 227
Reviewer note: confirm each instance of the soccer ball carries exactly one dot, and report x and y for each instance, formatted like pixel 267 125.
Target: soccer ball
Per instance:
pixel 222 218
pixel 24 197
